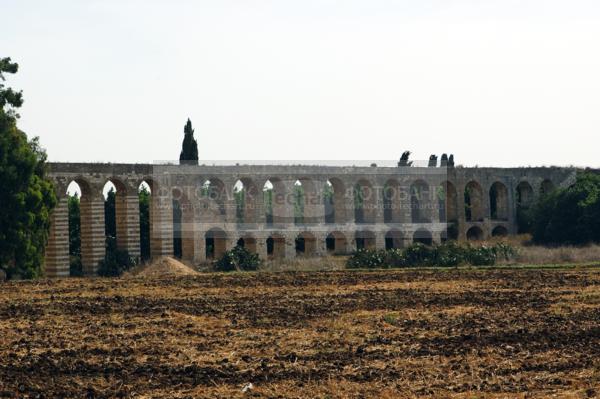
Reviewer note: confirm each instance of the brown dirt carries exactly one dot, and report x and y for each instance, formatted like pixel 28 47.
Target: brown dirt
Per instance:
pixel 455 333
pixel 163 266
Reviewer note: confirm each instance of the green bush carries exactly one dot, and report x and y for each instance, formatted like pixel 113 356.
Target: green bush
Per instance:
pixel 238 259
pixel 449 254
pixel 368 258
pixel 481 256
pixel 116 261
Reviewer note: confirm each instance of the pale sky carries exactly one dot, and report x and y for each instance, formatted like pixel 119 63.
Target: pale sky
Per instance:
pixel 497 83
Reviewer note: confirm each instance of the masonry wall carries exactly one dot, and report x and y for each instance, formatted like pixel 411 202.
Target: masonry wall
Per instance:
pixel 212 223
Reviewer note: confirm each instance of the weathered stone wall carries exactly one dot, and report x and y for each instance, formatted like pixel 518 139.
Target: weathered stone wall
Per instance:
pixel 210 215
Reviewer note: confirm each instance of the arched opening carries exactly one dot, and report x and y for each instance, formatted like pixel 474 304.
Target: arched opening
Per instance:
pixel 392 202
pixel 524 201
pixel 420 206
pixel 336 243
pixel 276 246
pixel 305 244
pixel 365 240
pixel 394 239
pixel 298 203
pixel 144 193
pixel 74 216
pixel 423 236
pixel 215 243
pixel 274 199
pixel 245 195
pixel 475 234
pixel 364 202
pixel 498 201
pixel 499 231
pixel 334 201
pixel 546 187
pixel 524 194
pixel 215 191
pixel 473 202
pixel 247 242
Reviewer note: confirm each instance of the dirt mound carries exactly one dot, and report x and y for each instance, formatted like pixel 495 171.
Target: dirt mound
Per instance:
pixel 164 266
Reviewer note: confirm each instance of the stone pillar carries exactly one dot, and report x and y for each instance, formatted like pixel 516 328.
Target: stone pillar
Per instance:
pixel 93 234
pixel 127 212
pixel 261 247
pixel 460 211
pixel 57 249
pixel 200 248
pixel 161 224
pixel 290 246
pixel 379 240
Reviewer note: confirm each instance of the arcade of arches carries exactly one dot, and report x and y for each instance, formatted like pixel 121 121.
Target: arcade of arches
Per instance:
pixel 282 211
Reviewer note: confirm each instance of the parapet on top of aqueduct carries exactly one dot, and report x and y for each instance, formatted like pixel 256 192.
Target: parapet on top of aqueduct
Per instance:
pixel 370 207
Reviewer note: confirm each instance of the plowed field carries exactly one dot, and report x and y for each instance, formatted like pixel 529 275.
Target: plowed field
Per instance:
pixel 456 333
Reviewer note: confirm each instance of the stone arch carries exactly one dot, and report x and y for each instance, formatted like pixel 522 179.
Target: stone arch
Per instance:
pixel 394 239
pixel 246 195
pixel 498 201
pixel 499 231
pixel 475 234
pixel 306 244
pixel 392 207
pixel 91 224
pixel 336 243
pixel 364 202
pixel 145 206
pixel 524 194
pixel 473 202
pixel 276 246
pixel 215 243
pixel 546 187
pixel 334 201
pixel 214 190
pixel 423 236
pixel 274 199
pixel 420 206
pixel 365 239
pixel 248 242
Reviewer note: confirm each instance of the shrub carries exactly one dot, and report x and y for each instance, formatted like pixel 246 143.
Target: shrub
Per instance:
pixel 449 254
pixel 237 258
pixel 481 256
pixel 368 258
pixel 419 254
pixel 116 261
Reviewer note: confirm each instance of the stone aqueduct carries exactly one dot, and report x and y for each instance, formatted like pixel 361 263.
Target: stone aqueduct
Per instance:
pixel 213 219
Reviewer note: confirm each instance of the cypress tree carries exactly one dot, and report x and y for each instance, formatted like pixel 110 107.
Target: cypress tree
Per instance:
pixel 189 148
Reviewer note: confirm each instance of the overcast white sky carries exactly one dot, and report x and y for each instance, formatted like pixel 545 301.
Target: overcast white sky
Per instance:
pixel 504 83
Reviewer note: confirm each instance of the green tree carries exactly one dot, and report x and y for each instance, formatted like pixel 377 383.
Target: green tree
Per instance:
pixel 569 215
pixel 144 196
pixel 27 196
pixel 76 268
pixel 189 148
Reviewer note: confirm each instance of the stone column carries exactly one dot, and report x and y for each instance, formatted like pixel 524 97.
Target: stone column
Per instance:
pixel 93 234
pixel 57 249
pixel 161 224
pixel 379 240
pixel 127 211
